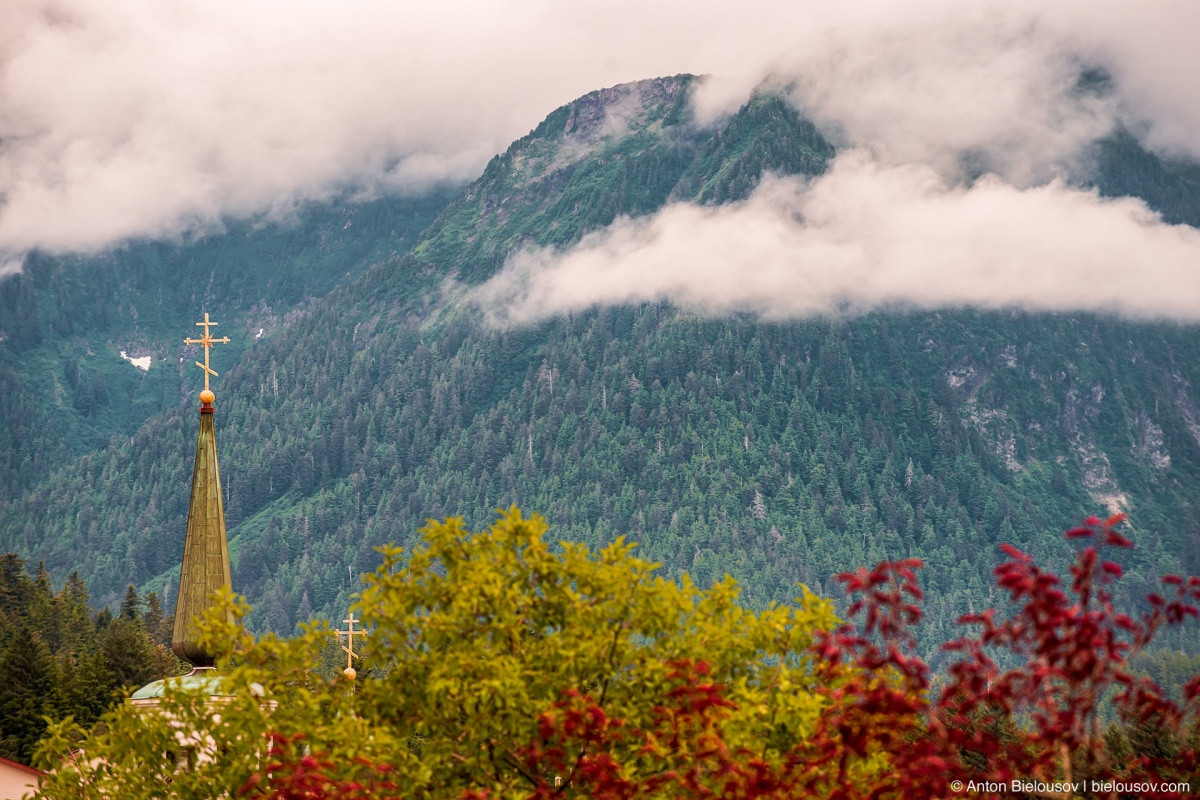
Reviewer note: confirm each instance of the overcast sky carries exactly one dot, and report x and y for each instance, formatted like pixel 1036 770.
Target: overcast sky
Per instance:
pixel 150 118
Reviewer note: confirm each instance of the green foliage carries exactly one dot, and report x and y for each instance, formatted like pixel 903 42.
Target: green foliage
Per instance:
pixel 472 637
pixel 765 135
pixel 131 657
pixel 499 665
pixel 821 419
pixel 27 678
pixel 1170 186
pixel 1168 669
pixel 54 663
pixel 478 633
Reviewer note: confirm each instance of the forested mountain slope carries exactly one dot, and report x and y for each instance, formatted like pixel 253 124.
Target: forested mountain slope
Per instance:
pixel 65 389
pixel 779 452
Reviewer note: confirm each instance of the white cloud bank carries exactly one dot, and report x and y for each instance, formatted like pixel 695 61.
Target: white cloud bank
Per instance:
pixel 150 118
pixel 867 236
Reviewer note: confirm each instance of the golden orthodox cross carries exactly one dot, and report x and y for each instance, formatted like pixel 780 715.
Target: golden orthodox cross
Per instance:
pixel 206 341
pixel 350 633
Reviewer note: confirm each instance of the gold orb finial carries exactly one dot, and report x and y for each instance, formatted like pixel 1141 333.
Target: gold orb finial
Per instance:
pixel 206 397
pixel 350 673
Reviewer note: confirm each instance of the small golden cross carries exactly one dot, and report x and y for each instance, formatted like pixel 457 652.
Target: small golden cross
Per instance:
pixel 350 633
pixel 206 341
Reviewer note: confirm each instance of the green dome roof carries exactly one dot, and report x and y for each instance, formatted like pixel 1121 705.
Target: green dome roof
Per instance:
pixel 203 681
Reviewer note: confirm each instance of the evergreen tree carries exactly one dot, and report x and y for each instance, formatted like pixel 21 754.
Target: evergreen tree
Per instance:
pixel 103 619
pixel 14 583
pixel 128 654
pixel 158 624
pixel 77 631
pixel 27 682
pixel 91 691
pixel 131 605
pixel 55 661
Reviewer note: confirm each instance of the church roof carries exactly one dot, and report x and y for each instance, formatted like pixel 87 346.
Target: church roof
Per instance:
pixel 18 766
pixel 204 681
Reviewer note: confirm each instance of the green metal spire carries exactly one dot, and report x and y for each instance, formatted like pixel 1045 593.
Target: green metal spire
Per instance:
pixel 205 552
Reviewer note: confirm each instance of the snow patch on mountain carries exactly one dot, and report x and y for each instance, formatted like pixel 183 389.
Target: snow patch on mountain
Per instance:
pixel 141 362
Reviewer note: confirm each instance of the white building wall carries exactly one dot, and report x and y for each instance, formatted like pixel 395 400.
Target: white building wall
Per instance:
pixel 15 782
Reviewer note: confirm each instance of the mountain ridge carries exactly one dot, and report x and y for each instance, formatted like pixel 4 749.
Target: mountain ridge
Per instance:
pixel 778 451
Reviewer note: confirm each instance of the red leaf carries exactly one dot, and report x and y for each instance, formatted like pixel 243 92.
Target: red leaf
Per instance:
pixel 1116 540
pixel 1014 552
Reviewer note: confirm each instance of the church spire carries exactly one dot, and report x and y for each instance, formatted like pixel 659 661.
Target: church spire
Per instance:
pixel 205 551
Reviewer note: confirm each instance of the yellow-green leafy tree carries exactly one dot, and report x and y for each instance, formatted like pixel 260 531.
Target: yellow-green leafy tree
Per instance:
pixel 478 644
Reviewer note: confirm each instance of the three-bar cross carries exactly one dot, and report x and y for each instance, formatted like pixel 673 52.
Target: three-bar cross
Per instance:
pixel 350 633
pixel 206 341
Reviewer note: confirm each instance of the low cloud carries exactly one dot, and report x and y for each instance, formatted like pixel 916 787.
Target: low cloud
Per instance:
pixel 153 118
pixel 868 236
pixel 989 86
